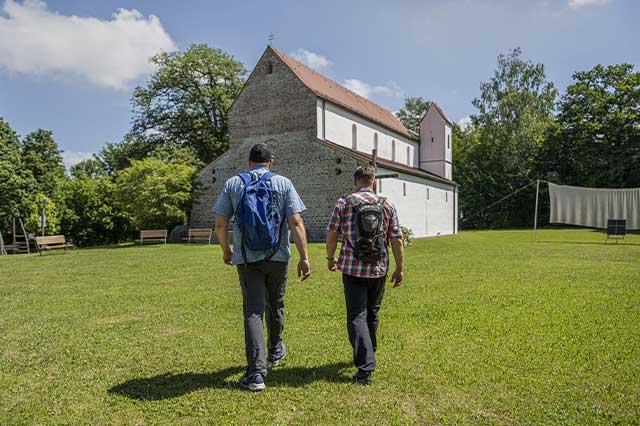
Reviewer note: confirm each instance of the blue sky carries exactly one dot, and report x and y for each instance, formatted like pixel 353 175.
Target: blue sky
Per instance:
pixel 70 65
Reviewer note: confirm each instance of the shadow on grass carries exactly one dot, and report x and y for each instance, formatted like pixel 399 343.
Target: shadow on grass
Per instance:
pixel 167 386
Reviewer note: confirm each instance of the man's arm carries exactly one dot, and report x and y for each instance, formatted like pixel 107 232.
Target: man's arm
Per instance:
pixel 332 245
pixel 398 254
pixel 299 234
pixel 222 232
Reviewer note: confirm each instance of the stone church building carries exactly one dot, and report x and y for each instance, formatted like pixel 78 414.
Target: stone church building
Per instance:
pixel 319 132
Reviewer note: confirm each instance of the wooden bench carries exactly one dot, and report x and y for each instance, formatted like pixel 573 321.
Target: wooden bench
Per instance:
pixel 153 235
pixel 199 234
pixel 52 242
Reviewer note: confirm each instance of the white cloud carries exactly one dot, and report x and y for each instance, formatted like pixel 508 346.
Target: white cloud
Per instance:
pixel 464 122
pixel 109 53
pixel 366 90
pixel 579 3
pixel 71 158
pixel 311 59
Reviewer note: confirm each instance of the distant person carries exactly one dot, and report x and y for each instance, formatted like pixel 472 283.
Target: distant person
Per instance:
pixel 265 206
pixel 364 222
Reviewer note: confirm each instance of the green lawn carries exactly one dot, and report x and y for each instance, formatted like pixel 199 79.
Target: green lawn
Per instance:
pixel 489 327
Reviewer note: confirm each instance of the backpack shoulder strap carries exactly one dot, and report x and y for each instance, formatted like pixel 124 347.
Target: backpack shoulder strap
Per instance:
pixel 265 177
pixel 245 177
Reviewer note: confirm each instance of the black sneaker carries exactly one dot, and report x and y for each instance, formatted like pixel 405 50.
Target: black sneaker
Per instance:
pixel 363 377
pixel 254 383
pixel 273 361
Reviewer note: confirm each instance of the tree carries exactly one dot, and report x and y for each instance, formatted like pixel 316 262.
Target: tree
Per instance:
pixel 90 168
pixel 118 156
pixel 40 154
pixel 17 184
pixel 515 112
pixel 187 100
pixel 413 111
pixel 155 194
pixel 90 216
pixel 597 142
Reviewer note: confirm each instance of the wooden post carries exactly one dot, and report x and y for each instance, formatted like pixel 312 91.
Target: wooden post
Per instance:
pixel 374 156
pixel 535 217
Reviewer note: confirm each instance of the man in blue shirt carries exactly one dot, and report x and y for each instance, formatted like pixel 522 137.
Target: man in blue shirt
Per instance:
pixel 263 279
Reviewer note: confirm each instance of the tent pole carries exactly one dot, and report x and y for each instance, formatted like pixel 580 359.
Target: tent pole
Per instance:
pixel 535 217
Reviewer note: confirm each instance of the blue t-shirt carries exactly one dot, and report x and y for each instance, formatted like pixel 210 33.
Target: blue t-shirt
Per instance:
pixel 285 196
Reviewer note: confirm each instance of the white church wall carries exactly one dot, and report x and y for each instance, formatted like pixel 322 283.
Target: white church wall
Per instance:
pixel 428 208
pixel 337 127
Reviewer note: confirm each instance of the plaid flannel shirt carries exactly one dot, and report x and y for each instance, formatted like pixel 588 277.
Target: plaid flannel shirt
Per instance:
pixel 343 222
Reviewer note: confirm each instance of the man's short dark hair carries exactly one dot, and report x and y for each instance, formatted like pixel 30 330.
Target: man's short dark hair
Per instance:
pixel 260 153
pixel 365 174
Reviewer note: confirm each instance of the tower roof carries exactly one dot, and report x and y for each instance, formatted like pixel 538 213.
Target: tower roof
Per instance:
pixel 328 89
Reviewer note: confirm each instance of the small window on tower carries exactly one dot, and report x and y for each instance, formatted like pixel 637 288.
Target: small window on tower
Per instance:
pixel 408 156
pixel 393 150
pixel 404 188
pixel 427 193
pixel 446 197
pixel 448 141
pixel 269 68
pixel 379 185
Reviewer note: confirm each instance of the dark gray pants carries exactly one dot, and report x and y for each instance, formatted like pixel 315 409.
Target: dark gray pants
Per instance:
pixel 263 287
pixel 363 297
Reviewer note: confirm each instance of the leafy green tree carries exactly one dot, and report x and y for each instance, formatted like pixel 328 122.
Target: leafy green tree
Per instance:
pixel 90 214
pixel 155 194
pixel 118 156
pixel 53 215
pixel 515 112
pixel 17 184
pixel 597 142
pixel 40 154
pixel 91 168
pixel 187 100
pixel 414 109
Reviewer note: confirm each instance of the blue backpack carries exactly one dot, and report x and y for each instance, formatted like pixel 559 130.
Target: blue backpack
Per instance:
pixel 258 215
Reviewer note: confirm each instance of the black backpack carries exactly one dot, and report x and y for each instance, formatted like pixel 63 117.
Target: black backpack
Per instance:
pixel 370 236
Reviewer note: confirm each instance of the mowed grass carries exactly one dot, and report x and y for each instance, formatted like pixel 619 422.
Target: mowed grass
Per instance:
pixel 489 327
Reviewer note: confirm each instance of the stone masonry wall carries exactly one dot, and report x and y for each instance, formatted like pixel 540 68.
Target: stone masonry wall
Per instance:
pixel 320 174
pixel 277 109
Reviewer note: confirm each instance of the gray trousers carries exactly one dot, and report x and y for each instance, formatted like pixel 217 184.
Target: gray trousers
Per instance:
pixel 263 287
pixel 363 297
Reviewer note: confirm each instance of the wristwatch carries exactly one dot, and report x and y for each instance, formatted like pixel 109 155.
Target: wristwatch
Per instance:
pixel 331 258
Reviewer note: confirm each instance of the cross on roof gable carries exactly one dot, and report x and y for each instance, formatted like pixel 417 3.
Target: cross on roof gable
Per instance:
pixel 328 89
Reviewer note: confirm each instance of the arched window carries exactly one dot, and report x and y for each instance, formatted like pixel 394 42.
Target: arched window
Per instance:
pixel 354 137
pixel 375 141
pixel 393 150
pixel 408 156
pixel 269 68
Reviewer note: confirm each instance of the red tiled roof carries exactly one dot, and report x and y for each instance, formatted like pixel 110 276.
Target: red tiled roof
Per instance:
pixel 328 89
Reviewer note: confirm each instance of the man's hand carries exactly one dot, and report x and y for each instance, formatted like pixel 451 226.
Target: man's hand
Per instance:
pixel 397 278
pixel 304 269
pixel 226 256
pixel 332 264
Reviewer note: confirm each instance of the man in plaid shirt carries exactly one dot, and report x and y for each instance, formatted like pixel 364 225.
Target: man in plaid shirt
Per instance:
pixel 363 282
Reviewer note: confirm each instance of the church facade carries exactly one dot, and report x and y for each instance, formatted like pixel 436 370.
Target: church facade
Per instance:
pixel 319 132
